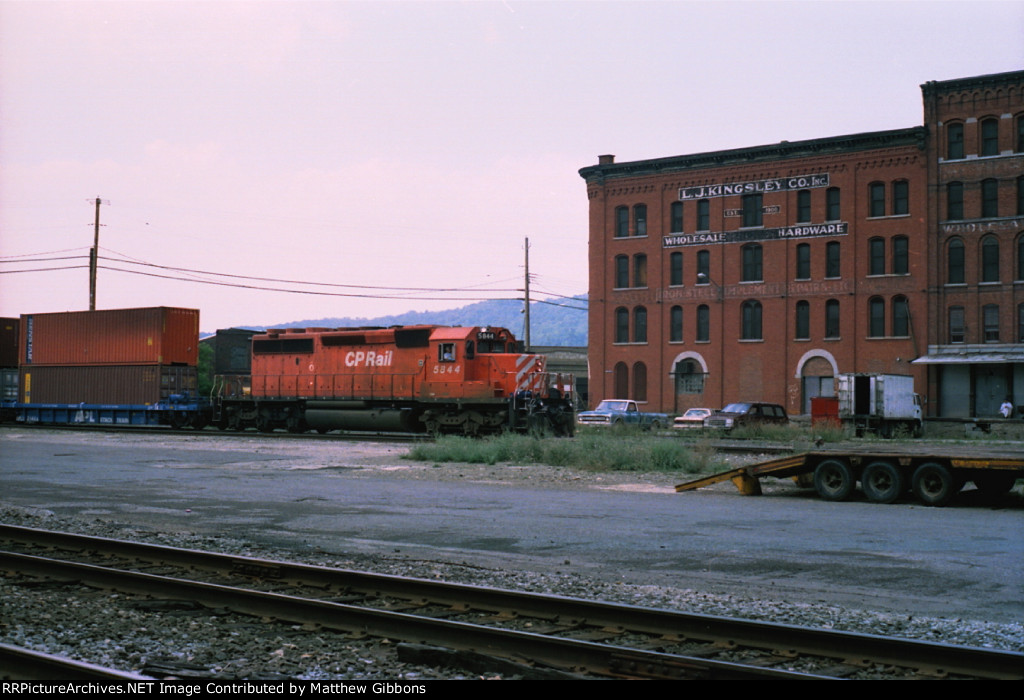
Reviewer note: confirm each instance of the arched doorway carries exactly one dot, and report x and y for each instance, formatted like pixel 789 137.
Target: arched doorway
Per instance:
pixel 817 374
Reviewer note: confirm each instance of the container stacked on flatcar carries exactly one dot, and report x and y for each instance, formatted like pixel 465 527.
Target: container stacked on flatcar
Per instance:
pixel 121 366
pixel 469 380
pixel 8 367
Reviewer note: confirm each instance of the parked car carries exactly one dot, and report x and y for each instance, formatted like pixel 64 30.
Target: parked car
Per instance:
pixel 621 412
pixel 693 419
pixel 747 413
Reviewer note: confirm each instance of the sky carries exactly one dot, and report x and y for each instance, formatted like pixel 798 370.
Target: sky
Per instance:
pixel 267 161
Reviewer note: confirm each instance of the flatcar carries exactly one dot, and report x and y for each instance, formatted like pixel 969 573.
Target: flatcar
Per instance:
pixel 466 380
pixel 116 367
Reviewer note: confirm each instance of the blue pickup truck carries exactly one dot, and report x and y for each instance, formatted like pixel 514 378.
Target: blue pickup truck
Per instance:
pixel 622 412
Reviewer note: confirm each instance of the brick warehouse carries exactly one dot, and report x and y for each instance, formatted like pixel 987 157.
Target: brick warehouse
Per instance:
pixel 975 355
pixel 760 273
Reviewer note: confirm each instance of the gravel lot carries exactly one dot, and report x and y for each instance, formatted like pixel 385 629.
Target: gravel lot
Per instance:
pixel 113 630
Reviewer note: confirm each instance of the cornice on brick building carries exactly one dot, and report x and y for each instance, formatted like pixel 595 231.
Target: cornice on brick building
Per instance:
pixel 608 169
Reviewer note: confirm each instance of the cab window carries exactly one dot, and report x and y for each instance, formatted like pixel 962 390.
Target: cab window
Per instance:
pixel 446 352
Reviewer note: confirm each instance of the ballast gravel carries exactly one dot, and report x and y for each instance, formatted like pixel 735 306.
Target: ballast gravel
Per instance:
pixel 133 634
pixel 169 641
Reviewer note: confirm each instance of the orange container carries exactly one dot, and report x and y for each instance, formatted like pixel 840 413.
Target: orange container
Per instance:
pixel 149 336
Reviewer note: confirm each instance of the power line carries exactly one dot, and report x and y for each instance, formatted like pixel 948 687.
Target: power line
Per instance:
pixel 401 293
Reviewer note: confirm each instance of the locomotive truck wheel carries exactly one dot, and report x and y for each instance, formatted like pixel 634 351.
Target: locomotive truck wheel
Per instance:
pixel 833 480
pixel 882 482
pixel 933 484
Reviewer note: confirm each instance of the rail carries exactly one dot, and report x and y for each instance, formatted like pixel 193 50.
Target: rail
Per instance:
pixel 571 634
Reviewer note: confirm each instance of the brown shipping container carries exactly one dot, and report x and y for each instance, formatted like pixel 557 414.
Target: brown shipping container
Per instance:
pixel 150 336
pixel 9 342
pixel 126 385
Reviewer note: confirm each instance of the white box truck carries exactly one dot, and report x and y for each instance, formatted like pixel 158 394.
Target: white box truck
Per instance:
pixel 881 403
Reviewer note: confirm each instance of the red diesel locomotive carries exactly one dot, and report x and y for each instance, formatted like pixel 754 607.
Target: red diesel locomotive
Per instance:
pixel 467 380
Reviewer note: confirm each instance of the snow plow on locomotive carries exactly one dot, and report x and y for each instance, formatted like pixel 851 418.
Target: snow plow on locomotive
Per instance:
pixel 437 379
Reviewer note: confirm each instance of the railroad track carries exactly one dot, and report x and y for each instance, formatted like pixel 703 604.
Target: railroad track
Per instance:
pixel 26 664
pixel 570 636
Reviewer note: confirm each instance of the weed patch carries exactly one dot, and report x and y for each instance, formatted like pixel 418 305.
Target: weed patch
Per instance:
pixel 597 451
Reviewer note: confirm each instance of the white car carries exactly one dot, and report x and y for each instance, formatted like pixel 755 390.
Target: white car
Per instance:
pixel 692 419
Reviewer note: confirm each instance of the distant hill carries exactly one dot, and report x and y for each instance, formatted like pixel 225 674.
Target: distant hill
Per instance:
pixel 563 323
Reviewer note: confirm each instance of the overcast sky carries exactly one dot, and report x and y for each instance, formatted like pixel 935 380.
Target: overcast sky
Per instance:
pixel 405 147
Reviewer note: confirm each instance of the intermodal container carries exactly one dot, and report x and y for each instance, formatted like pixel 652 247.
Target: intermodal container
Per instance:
pixel 148 336
pixel 8 384
pixel 129 385
pixel 9 342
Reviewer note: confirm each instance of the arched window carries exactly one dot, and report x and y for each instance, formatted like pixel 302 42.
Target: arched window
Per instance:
pixel 803 320
pixel 640 220
pixel 990 323
pixel 900 317
pixel 676 324
pixel 990 259
pixel 803 206
pixel 640 270
pixel 832 210
pixel 1020 257
pixel 703 265
pixel 751 311
pixel 752 263
pixel 621 374
pixel 640 324
pixel 900 197
pixel 955 262
pixel 955 201
pixel 803 261
pixel 621 222
pixel 675 269
pixel 876 199
pixel 990 197
pixel 957 328
pixel 640 381
pixel 832 267
pixel 689 377
pixel 990 137
pixel 621 271
pixel 703 215
pixel 675 217
pixel 900 255
pixel 876 256
pixel 703 323
pixel 621 325
pixel 876 317
pixel 832 318
pixel 954 141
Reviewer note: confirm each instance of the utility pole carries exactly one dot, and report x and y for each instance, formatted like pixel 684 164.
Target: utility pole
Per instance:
pixel 526 339
pixel 94 255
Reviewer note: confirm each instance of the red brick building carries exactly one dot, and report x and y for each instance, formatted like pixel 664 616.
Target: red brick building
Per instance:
pixel 761 273
pixel 975 355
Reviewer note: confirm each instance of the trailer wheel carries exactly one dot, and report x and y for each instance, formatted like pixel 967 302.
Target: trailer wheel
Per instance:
pixel 933 484
pixel 882 482
pixel 833 480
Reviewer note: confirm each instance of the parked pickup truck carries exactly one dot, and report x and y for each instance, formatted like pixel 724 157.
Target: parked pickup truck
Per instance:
pixel 621 412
